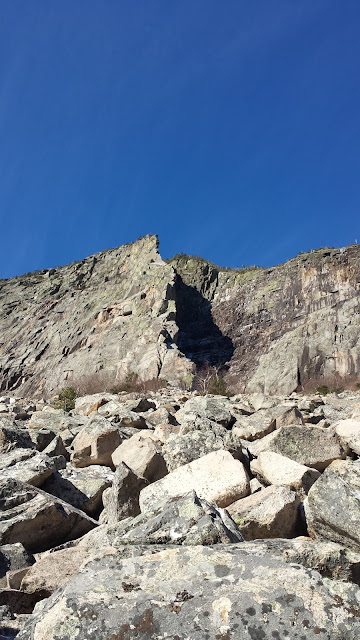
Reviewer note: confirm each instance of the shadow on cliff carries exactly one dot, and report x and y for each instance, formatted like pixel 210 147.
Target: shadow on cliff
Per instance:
pixel 200 339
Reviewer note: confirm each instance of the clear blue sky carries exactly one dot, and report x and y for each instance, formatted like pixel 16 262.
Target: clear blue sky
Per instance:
pixel 231 129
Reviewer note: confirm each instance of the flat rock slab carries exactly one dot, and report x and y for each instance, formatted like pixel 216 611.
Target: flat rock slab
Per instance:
pixel 349 434
pixel 37 520
pixel 184 448
pixel 312 446
pixel 195 592
pixel 273 468
pixel 218 409
pixel 216 477
pixel 29 465
pixel 333 505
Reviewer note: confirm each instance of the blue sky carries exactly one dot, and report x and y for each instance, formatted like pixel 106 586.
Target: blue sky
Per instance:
pixel 231 129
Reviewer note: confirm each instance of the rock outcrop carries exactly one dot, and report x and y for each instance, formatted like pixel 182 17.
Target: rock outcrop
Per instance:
pixel 126 311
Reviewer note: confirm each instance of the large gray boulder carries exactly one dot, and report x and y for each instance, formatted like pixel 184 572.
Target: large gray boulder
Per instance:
pixel 29 465
pixel 12 558
pixel 218 409
pixel 183 448
pixel 187 520
pixel 195 592
pixel 333 505
pixel 309 445
pixel 37 520
pixel 121 500
pixel 95 443
pixel 143 455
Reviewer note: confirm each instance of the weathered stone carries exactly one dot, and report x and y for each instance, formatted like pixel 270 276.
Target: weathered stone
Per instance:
pixel 195 592
pixel 53 570
pixel 95 443
pixel 349 434
pixel 122 499
pixel 216 477
pixel 185 520
pixel 89 404
pixel 270 513
pixel 29 465
pixel 255 426
pixel 272 468
pixel 143 455
pixel 12 436
pixel 333 505
pixel 289 416
pixel 140 405
pixel 12 558
pixel 217 409
pixel 82 488
pixel 312 446
pixel 121 415
pixel 164 431
pixel 56 448
pixel 184 448
pixel 37 520
pixel 161 416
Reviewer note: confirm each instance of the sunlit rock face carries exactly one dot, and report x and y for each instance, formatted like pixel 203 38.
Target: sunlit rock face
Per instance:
pixel 113 312
pixel 126 310
pixel 289 326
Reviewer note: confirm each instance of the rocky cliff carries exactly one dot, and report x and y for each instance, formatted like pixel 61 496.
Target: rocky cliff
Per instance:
pixel 123 310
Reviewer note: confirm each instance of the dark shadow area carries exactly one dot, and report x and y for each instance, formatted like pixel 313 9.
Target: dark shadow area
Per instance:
pixel 200 339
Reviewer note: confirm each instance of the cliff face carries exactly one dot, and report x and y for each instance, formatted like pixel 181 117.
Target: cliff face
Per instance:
pixel 288 325
pixel 126 310
pixel 114 311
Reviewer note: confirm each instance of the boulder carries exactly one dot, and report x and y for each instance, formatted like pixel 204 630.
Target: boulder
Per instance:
pixel 270 513
pixel 143 455
pixel 255 426
pixel 217 409
pixel 333 506
pixel 272 468
pixel 122 499
pixel 53 570
pixel 29 465
pixel 184 448
pixel 57 448
pixel 309 445
pixel 12 558
pixel 216 477
pixel 82 488
pixel 186 520
pixel 161 416
pixel 12 436
pixel 195 592
pixel 89 404
pixel 117 412
pixel 289 416
pixel 37 520
pixel 95 443
pixel 348 432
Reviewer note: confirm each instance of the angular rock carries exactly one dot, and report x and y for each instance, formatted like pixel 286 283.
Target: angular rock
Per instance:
pixel 95 443
pixel 312 446
pixel 216 477
pixel 122 499
pixel 270 513
pixel 217 409
pixel 140 405
pixel 255 426
pixel 272 468
pixel 186 520
pixel 121 415
pixel 195 592
pixel 184 448
pixel 56 448
pixel 12 436
pixel 161 416
pixel 86 405
pixel 29 465
pixel 143 455
pixel 12 558
pixel 333 506
pixel 82 488
pixel 53 570
pixel 349 434
pixel 288 417
pixel 36 519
